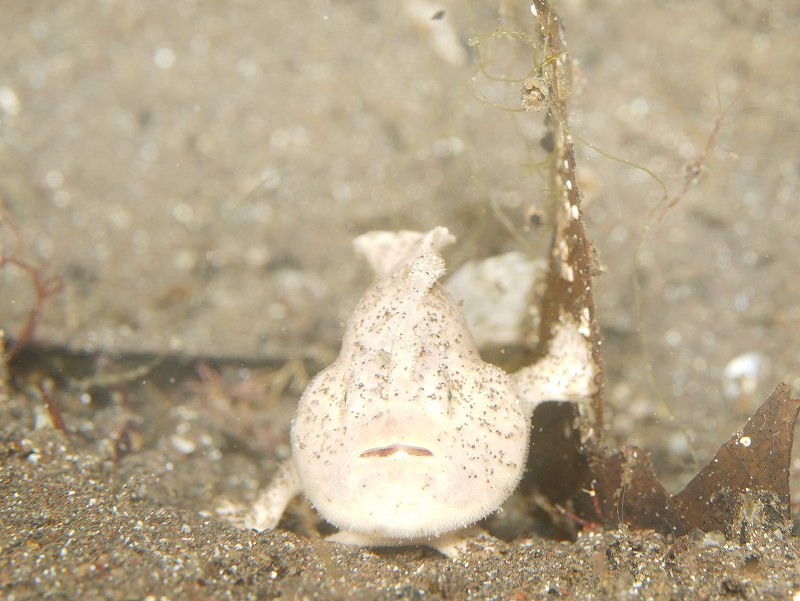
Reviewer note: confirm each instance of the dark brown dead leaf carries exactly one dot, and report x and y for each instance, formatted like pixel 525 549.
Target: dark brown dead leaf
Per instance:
pixel 558 467
pixel 744 489
pixel 629 492
pixel 747 482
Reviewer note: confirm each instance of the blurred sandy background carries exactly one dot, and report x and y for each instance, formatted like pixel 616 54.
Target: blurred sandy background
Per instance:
pixel 196 171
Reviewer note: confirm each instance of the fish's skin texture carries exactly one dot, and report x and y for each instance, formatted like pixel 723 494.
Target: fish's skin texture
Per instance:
pixel 408 437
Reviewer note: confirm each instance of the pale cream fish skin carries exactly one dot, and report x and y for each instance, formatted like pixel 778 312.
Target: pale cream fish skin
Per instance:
pixel 409 437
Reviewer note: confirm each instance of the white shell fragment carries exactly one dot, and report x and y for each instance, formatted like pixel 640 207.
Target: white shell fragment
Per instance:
pixel 494 296
pixel 444 39
pixel 742 374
